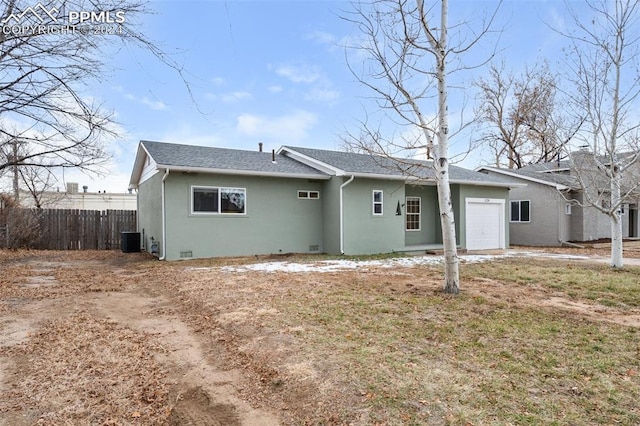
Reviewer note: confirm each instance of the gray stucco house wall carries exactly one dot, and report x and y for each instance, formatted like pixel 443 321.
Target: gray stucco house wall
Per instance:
pixel 210 202
pixel 558 212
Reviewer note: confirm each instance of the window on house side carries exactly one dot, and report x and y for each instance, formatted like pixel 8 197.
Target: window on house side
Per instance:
pixel 205 200
pixel 567 208
pixel 520 211
pixel 304 195
pixel 412 208
pixel 216 200
pixel 377 202
pixel 605 199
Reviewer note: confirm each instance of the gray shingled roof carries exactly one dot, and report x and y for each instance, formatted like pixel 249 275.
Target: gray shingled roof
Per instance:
pixel 222 159
pixel 353 163
pixel 549 172
pixel 209 158
pixel 554 172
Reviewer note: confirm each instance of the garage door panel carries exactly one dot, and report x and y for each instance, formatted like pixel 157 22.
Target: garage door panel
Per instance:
pixel 485 224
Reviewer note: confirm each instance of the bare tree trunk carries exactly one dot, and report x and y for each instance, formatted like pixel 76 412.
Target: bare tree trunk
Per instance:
pixel 451 261
pixel 16 172
pixel 451 270
pixel 616 223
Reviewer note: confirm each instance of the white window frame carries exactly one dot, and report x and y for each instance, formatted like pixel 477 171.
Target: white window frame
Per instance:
pixel 305 194
pixel 406 213
pixel 519 211
pixel 375 203
pixel 220 190
pixel 567 209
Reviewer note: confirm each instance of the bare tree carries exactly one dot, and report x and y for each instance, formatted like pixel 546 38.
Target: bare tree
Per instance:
pixel 603 65
pixel 519 114
pixel 49 57
pixel 39 182
pixel 408 68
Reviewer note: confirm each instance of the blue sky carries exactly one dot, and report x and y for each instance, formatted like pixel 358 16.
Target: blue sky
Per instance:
pixel 267 71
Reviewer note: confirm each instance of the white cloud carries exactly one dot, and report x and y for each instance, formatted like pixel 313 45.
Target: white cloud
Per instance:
pixel 321 37
pixel 355 48
pixel 312 75
pixel 155 105
pixel 291 127
pixel 230 97
pixel 187 134
pixel 218 81
pixel 299 73
pixel 237 96
pixel 322 95
pixel 275 89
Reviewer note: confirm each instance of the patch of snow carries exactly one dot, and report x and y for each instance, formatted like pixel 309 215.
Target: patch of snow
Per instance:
pixel 365 265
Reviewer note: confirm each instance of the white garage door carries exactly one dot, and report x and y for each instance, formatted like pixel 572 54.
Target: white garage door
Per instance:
pixel 485 224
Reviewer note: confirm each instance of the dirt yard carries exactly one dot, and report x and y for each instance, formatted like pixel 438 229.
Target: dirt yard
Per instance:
pixel 106 338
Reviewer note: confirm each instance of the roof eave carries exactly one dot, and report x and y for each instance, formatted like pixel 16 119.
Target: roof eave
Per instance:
pixel 138 166
pixel 557 186
pixel 485 183
pixel 311 162
pixel 188 169
pixel 419 180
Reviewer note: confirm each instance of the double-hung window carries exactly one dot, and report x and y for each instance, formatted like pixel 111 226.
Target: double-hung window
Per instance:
pixel 377 203
pixel 520 211
pixel 218 200
pixel 412 206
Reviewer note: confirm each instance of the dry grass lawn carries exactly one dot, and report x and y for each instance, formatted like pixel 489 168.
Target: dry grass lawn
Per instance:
pixel 108 338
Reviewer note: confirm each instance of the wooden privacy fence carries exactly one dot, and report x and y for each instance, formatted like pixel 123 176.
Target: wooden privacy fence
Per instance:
pixel 58 229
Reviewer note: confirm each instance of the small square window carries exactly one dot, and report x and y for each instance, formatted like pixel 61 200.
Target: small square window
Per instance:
pixel 308 195
pixel 567 208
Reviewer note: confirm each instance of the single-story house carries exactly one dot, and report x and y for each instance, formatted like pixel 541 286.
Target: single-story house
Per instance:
pixel 196 201
pixel 552 210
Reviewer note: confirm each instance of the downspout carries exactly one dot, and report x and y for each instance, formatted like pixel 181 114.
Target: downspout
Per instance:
pixel 342 212
pixel 561 218
pixel 164 220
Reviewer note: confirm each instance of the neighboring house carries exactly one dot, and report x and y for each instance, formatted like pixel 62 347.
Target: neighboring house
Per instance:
pixel 552 210
pixel 85 200
pixel 196 201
